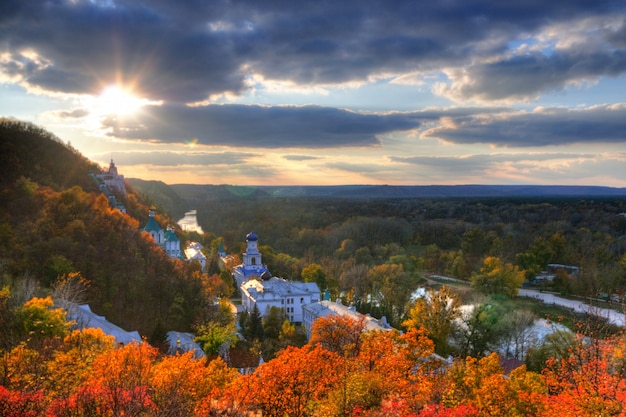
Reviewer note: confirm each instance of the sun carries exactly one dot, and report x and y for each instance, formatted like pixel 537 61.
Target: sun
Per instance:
pixel 115 100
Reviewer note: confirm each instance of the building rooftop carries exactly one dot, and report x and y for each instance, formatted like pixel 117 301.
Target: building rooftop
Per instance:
pixel 194 251
pixel 327 308
pixel 278 288
pixel 85 318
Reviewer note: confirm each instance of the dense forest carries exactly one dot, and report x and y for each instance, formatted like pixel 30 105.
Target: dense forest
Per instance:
pixel 442 236
pixel 61 239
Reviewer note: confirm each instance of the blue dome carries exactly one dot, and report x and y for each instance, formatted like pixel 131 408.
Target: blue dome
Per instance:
pixel 251 237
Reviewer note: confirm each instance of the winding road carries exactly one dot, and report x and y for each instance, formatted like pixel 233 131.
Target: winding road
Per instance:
pixel 612 316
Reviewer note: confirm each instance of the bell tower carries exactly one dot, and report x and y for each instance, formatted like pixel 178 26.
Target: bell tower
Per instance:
pixel 252 257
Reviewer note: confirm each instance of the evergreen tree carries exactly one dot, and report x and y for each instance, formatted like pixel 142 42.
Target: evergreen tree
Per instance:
pixel 253 327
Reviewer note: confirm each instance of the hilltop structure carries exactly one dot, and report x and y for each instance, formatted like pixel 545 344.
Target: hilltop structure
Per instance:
pixel 166 239
pixel 110 182
pixel 112 179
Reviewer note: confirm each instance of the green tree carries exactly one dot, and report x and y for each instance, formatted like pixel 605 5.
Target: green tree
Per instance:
pixel 272 322
pixel 496 277
pixel 314 273
pixel 252 329
pixel 212 336
pixel 481 329
pixel 392 289
pixel 436 312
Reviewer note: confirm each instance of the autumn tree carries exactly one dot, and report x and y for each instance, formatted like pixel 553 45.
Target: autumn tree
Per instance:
pixel 436 311
pixel 391 367
pixel 21 404
pixel 482 384
pixel 118 385
pixel 70 365
pixel 178 383
pixel 353 281
pixel 38 320
pixel 338 334
pixel 589 381
pixel 293 382
pixel 70 290
pixel 496 277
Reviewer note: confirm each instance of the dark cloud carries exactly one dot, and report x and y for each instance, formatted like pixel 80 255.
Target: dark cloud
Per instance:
pixel 184 51
pixel 543 127
pixel 257 126
pixel 527 76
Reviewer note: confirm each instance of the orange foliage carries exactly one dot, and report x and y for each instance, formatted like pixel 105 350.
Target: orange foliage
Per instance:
pixel 387 374
pixel 292 382
pixel 338 334
pixel 20 404
pixel 179 382
pixel 482 384
pixel 590 382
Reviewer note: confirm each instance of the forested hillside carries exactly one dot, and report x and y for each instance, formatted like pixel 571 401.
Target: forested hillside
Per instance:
pixel 55 223
pixel 28 150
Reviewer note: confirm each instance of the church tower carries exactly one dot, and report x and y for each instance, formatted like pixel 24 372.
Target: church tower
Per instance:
pixel 252 257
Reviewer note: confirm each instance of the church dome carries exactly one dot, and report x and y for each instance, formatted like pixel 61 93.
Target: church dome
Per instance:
pixel 251 237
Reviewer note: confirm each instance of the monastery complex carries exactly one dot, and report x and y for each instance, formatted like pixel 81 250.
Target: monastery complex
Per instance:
pixel 302 302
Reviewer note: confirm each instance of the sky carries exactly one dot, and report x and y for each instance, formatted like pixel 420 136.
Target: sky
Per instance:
pixel 275 92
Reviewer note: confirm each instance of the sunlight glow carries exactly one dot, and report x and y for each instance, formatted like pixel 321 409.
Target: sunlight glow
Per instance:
pixel 115 100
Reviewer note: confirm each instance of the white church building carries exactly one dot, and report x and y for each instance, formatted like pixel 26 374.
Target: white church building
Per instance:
pixel 166 239
pixel 258 287
pixel 278 292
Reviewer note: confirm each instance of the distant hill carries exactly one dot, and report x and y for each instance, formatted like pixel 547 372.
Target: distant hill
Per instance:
pixel 197 195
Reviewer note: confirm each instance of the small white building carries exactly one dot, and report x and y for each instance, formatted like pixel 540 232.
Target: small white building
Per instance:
pixel 278 292
pixel 326 308
pixel 194 253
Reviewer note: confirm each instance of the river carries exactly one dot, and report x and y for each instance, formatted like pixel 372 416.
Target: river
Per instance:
pixel 189 223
